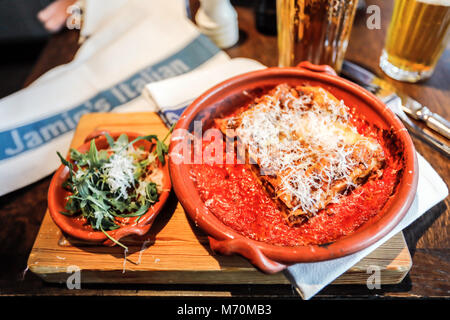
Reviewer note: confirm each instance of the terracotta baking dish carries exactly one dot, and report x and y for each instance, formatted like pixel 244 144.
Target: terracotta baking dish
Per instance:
pixel 240 90
pixel 76 227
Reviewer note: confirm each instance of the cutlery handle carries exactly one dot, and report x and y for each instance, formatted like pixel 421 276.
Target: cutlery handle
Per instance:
pixel 444 148
pixel 436 122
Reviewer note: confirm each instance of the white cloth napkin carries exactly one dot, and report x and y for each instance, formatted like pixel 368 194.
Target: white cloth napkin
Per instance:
pixel 140 42
pixel 170 97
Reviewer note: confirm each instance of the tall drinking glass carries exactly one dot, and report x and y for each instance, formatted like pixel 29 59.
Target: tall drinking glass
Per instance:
pixel 417 36
pixel 314 30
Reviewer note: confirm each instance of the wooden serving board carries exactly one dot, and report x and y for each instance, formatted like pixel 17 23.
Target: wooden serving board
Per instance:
pixel 174 251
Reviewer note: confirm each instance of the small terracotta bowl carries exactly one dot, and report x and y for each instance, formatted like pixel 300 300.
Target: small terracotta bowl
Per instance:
pixel 77 227
pixel 236 92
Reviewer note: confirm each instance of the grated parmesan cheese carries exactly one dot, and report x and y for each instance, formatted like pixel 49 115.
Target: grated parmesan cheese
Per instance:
pixel 305 140
pixel 120 171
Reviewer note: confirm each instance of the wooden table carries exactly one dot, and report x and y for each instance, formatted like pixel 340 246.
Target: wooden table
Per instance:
pixel 21 212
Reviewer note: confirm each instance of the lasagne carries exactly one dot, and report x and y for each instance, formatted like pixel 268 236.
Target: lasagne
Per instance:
pixel 303 148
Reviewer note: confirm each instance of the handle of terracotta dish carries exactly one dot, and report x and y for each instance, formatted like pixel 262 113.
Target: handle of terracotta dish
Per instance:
pixel 95 134
pixel 254 254
pixel 120 233
pixel 322 68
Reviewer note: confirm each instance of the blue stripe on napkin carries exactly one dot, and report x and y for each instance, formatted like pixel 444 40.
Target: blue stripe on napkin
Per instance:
pixel 32 135
pixel 170 115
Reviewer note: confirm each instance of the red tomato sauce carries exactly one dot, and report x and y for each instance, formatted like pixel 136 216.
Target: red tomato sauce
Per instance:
pixel 235 196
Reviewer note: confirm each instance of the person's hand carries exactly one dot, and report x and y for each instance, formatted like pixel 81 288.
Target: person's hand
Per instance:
pixel 55 15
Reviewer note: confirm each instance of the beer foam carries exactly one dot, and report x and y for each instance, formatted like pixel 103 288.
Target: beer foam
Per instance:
pixel 444 3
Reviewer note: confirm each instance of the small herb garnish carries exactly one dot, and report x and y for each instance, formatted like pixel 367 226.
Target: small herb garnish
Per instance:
pixel 113 183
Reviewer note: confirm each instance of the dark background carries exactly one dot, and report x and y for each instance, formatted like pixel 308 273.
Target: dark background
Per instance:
pixel 22 38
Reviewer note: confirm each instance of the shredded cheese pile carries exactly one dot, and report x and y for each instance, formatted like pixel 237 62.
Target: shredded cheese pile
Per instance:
pixel 120 172
pixel 306 145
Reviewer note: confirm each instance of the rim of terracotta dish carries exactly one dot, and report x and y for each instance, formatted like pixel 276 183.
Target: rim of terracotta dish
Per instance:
pixel 97 236
pixel 365 236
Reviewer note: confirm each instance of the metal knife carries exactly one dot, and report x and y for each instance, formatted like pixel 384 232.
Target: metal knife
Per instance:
pixel 419 112
pixel 380 88
pixel 400 104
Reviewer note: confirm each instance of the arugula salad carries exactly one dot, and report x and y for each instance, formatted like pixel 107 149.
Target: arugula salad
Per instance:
pixel 122 181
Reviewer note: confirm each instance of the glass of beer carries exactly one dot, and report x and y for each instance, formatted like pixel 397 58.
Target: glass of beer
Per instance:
pixel 314 30
pixel 418 34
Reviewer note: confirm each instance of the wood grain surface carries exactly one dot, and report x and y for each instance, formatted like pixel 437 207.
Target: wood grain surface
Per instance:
pixel 428 238
pixel 175 250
